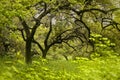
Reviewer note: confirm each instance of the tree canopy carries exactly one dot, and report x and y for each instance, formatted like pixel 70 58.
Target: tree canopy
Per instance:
pixel 47 23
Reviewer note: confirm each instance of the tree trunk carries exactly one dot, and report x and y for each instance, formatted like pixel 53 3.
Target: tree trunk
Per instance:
pixel 44 53
pixel 28 57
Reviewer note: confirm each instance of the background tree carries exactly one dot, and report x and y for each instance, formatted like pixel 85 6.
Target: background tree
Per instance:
pixel 68 20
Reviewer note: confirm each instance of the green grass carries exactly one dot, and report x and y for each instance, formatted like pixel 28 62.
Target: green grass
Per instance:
pixel 80 69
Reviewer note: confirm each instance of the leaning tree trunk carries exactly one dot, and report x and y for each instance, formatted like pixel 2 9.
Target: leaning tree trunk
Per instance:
pixel 28 57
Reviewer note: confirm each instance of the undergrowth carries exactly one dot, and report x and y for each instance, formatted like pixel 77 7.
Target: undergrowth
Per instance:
pixel 79 69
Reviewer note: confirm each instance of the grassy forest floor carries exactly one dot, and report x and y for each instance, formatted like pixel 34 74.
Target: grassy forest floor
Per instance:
pixel 81 69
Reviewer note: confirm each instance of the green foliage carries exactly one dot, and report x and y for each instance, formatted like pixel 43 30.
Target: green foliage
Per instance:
pixel 103 46
pixel 79 69
pixel 13 41
pixel 64 13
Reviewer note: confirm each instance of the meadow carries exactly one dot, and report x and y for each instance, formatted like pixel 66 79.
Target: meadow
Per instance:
pixel 42 69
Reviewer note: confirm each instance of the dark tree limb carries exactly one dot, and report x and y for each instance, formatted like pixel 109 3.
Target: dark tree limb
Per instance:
pixel 70 45
pixel 23 36
pixel 48 34
pixel 38 44
pixel 25 26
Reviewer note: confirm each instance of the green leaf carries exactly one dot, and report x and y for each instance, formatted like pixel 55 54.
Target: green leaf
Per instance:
pixel 105 39
pixel 15 69
pixel 21 62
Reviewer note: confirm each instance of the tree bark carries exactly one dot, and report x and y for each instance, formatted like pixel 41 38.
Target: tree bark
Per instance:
pixel 28 57
pixel 44 53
